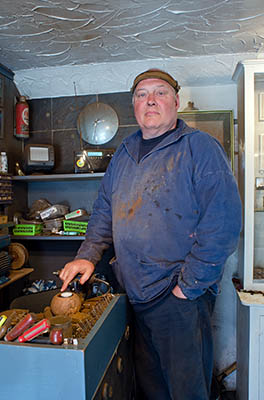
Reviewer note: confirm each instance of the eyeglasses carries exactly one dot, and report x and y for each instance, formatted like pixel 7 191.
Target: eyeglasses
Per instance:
pixel 142 94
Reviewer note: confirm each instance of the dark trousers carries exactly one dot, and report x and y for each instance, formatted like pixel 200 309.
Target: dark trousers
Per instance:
pixel 174 349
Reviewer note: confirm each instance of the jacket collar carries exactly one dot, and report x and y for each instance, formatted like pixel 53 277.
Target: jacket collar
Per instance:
pixel 132 142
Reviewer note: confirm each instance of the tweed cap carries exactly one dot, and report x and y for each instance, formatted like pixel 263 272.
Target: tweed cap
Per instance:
pixel 156 74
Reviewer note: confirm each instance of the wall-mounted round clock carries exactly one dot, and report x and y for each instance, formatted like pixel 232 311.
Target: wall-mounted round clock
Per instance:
pixel 97 123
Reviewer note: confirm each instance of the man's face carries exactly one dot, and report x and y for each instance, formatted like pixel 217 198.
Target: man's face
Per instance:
pixel 155 107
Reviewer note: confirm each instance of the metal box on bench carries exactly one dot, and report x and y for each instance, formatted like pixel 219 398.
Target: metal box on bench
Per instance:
pixel 33 371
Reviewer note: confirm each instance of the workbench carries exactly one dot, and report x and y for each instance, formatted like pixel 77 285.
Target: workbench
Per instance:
pixel 16 275
pixel 13 287
pixel 98 367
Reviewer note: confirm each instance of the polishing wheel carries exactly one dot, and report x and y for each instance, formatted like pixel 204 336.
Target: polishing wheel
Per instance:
pixel 19 255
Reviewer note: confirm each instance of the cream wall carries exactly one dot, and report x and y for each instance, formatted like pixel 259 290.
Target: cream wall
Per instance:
pixel 221 97
pixel 217 97
pixel 117 77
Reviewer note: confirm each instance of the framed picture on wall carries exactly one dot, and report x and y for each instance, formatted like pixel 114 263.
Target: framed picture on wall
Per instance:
pixel 1 91
pixel 219 124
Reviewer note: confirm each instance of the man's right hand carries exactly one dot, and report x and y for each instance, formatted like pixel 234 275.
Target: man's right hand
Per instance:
pixel 71 269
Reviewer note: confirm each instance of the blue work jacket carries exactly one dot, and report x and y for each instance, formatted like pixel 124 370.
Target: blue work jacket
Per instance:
pixel 175 214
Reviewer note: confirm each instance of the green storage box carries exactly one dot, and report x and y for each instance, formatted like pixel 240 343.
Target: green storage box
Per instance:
pixel 28 229
pixel 75 226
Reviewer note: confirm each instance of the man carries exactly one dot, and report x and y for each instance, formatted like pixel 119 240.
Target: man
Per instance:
pixel 169 203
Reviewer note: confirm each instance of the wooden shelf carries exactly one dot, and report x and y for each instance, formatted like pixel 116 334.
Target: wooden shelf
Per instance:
pixel 58 177
pixel 38 237
pixel 7 225
pixel 15 275
pixel 78 191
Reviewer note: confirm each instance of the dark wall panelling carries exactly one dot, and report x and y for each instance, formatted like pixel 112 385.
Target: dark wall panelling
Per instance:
pixel 54 121
pixel 66 143
pixel 122 104
pixel 65 110
pixel 9 143
pixel 40 115
pixel 6 72
pixel 78 194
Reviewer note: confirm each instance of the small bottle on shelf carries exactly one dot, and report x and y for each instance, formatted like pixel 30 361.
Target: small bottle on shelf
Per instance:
pixel 3 163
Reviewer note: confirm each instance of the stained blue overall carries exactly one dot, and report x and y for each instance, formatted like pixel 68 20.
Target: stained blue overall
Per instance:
pixel 173 216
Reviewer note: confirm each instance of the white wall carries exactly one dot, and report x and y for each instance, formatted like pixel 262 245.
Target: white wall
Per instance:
pixel 192 72
pixel 217 97
pixel 223 97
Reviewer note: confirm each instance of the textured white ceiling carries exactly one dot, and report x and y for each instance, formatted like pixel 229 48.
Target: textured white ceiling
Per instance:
pixel 44 33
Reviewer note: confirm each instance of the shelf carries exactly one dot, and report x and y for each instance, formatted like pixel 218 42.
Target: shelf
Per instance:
pixel 58 177
pixel 16 274
pixel 7 225
pixel 38 237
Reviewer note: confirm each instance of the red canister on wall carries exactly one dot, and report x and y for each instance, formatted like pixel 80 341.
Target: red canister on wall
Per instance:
pixel 22 118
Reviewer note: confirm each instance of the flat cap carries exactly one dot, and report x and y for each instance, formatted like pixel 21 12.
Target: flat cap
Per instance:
pixel 156 74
